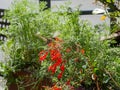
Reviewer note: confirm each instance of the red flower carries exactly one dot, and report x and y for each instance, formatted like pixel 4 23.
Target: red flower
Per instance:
pixel 58 39
pixel 55 54
pixel 68 50
pixel 56 88
pixel 52 68
pixel 62 67
pixel 55 44
pixel 54 48
pixel 41 52
pixel 68 82
pixel 82 51
pixel 43 55
pixel 60 75
pixel 58 61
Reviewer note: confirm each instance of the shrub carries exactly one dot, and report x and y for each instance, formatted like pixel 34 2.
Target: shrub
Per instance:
pixel 60 46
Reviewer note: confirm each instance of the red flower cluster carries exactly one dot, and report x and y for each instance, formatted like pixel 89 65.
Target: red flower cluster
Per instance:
pixel 55 56
pixel 43 54
pixel 56 88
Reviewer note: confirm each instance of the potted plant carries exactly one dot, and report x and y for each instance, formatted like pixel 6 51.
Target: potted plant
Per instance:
pixel 55 51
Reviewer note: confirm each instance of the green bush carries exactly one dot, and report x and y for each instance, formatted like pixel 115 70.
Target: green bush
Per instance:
pixel 58 45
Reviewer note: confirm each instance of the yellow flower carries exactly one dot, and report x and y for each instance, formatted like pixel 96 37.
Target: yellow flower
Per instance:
pixel 103 17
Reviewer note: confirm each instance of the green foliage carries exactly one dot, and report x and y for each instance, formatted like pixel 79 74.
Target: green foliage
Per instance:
pixel 88 62
pixel 22 45
pixel 110 1
pixel 114 6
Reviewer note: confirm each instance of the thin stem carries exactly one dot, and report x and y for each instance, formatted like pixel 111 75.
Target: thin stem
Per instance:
pixel 112 78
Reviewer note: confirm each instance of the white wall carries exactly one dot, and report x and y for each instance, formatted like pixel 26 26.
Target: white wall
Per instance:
pixel 4 4
pixel 84 5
